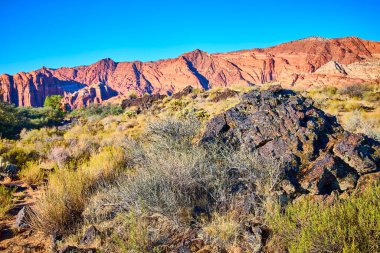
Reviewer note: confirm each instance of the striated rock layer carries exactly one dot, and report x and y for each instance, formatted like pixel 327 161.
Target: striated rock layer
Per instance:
pixel 302 63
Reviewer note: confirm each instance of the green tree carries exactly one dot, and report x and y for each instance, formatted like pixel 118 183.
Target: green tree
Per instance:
pixel 8 119
pixel 53 102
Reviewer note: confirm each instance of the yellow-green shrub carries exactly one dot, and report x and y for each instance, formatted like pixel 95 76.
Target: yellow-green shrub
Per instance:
pixel 31 173
pixel 5 201
pixel 67 191
pixel 134 235
pixel 351 225
pixel 224 228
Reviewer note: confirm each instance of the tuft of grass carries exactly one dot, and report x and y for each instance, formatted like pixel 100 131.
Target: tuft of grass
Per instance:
pixel 223 228
pixel 32 173
pixel 60 207
pixel 133 235
pixel 5 201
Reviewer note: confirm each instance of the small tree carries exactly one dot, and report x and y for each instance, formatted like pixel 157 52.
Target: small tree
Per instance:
pixel 53 102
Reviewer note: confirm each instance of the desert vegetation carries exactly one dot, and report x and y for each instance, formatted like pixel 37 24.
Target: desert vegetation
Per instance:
pixel 356 106
pixel 5 201
pixel 14 119
pixel 144 180
pixel 348 225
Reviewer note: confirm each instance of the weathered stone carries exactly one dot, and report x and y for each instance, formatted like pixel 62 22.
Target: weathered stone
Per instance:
pixel 186 91
pixel 285 129
pixel 74 249
pixel 327 174
pixel 9 170
pixel 143 102
pixel 359 152
pixel 222 95
pixel 89 235
pixel 23 218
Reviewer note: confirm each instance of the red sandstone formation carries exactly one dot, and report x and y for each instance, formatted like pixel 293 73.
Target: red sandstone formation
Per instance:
pixel 303 63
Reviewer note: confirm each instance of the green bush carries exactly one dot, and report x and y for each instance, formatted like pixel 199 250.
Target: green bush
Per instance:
pixel 53 102
pixel 351 225
pixel 14 119
pixel 98 110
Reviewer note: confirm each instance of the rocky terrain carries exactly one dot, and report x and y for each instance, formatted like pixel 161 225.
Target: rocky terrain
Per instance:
pixel 317 155
pixel 271 145
pixel 303 63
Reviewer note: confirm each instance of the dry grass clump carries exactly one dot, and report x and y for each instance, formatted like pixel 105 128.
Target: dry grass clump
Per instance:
pixel 67 192
pixel 5 201
pixel 32 173
pixel 224 229
pixel 356 106
pixel 357 122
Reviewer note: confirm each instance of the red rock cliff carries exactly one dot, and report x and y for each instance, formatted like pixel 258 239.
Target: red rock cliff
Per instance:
pixel 307 62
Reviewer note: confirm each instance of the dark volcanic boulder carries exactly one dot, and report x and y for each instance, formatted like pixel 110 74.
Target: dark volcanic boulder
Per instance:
pixel 359 152
pixel 319 156
pixel 186 91
pixel 144 102
pixel 222 95
pixel 9 170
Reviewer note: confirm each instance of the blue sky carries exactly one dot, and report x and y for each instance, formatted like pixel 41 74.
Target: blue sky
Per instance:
pixel 69 33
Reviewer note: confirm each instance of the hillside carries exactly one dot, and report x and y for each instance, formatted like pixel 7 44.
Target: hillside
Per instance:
pixel 310 62
pixel 245 169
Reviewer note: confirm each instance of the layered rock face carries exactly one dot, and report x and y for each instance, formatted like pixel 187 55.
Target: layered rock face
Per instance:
pixel 303 63
pixel 93 94
pixel 317 155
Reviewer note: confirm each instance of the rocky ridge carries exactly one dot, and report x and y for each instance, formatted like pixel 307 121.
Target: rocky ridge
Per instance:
pixel 303 63
pixel 317 155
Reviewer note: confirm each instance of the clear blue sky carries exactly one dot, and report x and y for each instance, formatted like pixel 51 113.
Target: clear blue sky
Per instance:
pixel 58 33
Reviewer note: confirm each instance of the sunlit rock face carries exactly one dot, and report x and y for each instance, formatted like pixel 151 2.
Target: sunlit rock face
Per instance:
pixel 303 63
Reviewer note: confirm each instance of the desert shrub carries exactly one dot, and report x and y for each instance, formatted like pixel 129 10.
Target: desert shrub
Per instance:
pixel 355 90
pixel 8 120
pixel 177 104
pixel 372 97
pixel 31 173
pixel 224 229
pixel 200 114
pixel 131 114
pixel 351 225
pixel 19 156
pixel 358 124
pixel 59 208
pixel 13 119
pixel 329 90
pixel 134 235
pixel 178 177
pixel 5 201
pixel 172 133
pixel 132 94
pixel 60 155
pixel 350 106
pixel 98 110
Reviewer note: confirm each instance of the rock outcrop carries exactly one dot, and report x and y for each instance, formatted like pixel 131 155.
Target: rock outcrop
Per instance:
pixel 93 94
pixel 307 62
pixel 318 156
